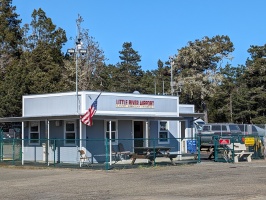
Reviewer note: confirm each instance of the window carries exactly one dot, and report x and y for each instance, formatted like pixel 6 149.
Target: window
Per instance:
pixel 216 127
pixel 206 128
pixel 70 133
pixel 34 133
pixel 163 132
pixel 114 134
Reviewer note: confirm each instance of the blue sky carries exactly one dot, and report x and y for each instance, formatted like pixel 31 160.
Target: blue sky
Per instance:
pixel 156 28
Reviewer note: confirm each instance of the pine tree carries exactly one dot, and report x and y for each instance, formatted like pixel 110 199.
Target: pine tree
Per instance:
pixel 42 54
pixel 130 72
pixel 10 52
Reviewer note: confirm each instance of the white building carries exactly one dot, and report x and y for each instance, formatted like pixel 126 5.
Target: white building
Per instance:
pixel 52 131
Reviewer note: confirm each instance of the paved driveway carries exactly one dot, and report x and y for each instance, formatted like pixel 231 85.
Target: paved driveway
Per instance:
pixel 208 180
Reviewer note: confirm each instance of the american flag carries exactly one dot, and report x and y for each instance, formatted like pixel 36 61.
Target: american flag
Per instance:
pixel 87 117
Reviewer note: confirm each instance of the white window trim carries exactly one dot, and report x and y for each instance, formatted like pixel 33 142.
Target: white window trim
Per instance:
pixel 38 132
pixel 116 131
pixel 75 130
pixel 167 130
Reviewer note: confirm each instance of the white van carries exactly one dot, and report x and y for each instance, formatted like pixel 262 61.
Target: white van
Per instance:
pixel 198 123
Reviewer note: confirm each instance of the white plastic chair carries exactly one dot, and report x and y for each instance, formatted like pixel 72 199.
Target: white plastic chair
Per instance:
pixel 84 159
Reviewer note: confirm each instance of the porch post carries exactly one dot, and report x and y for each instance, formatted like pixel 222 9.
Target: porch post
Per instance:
pixel 48 142
pixel 22 144
pixel 147 133
pixel 80 140
pixel 110 142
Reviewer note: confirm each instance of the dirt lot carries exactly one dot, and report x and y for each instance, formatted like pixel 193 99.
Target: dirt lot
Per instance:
pixel 208 180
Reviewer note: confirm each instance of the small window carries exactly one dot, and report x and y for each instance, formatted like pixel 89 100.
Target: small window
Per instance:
pixel 34 133
pixel 234 127
pixel 70 133
pixel 216 128
pixel 206 128
pixel 114 132
pixel 224 128
pixel 163 132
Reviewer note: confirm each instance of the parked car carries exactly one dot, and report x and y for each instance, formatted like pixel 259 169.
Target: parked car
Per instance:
pixel 251 129
pixel 220 129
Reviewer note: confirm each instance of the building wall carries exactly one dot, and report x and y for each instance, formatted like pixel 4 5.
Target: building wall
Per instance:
pixel 108 103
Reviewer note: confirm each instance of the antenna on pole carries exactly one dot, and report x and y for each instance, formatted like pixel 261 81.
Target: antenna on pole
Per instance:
pixel 78 22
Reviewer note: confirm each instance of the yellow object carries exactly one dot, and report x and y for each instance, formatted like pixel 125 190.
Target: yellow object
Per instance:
pixel 250 141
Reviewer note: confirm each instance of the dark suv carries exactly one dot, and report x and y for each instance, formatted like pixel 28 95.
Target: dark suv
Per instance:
pixel 221 129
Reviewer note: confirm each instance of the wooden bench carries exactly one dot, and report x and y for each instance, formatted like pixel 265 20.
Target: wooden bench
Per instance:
pixel 240 152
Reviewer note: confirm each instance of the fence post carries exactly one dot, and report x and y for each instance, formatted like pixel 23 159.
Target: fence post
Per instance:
pixel 53 149
pixel 198 145
pixel 1 145
pixel 107 165
pixel 13 151
pixel 154 156
pixel 215 138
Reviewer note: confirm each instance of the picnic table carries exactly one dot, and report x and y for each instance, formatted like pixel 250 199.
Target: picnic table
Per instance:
pixel 151 153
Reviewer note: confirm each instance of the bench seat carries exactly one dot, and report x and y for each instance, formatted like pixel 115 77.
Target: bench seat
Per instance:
pixel 240 152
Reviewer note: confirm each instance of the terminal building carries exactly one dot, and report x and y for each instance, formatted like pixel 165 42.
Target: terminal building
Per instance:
pixel 52 129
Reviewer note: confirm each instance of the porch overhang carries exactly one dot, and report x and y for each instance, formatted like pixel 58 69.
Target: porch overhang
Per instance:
pixel 104 117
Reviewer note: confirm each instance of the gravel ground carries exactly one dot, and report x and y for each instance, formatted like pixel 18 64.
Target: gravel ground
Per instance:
pixel 206 180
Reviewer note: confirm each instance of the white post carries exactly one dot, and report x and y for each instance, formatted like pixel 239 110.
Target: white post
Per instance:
pixel 80 139
pixel 48 142
pixel 77 78
pixel 22 144
pixel 147 134
pixel 110 141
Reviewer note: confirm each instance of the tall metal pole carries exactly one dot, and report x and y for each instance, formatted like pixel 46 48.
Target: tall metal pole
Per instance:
pixel 77 78
pixel 171 83
pixel 78 51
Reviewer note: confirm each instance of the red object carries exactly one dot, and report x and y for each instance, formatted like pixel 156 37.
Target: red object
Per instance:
pixel 224 141
pixel 87 117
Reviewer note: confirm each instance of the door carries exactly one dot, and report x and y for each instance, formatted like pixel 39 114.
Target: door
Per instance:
pixel 138 134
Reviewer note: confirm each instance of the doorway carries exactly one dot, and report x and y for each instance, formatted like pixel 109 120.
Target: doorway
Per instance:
pixel 138 134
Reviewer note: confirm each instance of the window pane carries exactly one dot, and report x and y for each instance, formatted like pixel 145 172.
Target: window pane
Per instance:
pixel 216 127
pixel 234 127
pixel 70 126
pixel 113 124
pixel 163 136
pixel 107 126
pixel 163 125
pixel 112 135
pixel 70 137
pixel 34 137
pixel 34 127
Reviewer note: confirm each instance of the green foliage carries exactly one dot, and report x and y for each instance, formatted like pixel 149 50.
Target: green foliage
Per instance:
pixel 197 68
pixel 130 73
pixel 10 37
